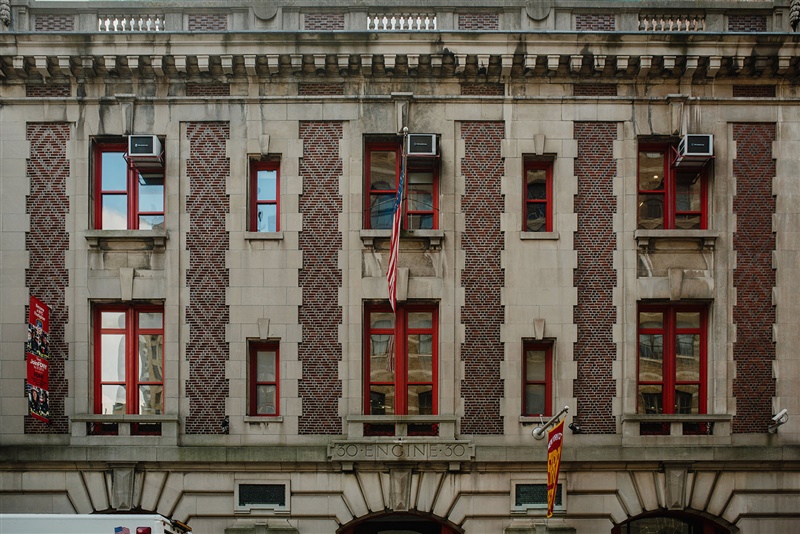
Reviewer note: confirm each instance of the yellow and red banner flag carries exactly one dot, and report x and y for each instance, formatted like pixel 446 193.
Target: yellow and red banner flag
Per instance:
pixel 555 439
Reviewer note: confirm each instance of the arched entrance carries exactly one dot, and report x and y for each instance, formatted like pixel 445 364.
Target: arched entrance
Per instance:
pixel 671 523
pixel 399 523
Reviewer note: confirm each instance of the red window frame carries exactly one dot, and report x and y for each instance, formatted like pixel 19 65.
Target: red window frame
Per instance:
pixel 411 217
pixel 401 331
pixel 131 332
pixel 131 190
pixel 529 203
pixel 670 380
pixel 253 380
pixel 667 192
pixel 256 203
pixel 546 380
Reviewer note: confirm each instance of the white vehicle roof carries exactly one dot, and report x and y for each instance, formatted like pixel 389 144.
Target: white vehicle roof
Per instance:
pixel 84 523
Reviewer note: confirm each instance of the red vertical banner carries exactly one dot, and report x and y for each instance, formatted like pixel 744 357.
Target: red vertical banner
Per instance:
pixel 555 439
pixel 37 355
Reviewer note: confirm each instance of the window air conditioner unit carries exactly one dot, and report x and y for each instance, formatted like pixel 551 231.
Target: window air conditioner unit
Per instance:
pixel 144 146
pixel 696 145
pixel 421 145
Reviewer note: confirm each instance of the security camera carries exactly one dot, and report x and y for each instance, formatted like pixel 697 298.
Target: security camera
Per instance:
pixel 781 416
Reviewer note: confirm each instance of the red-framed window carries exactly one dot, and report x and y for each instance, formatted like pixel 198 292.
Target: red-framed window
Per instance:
pixel 401 359
pixel 125 199
pixel 538 196
pixel 129 359
pixel 264 196
pixel 670 197
pixel 672 359
pixel 382 164
pixel 537 373
pixel 263 378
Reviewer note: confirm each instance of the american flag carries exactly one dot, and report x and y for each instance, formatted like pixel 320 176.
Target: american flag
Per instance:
pixel 394 245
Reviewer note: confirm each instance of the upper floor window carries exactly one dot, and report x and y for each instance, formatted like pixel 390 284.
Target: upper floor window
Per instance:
pixel 383 163
pixel 263 378
pixel 670 197
pixel 672 359
pixel 126 198
pixel 264 206
pixel 129 359
pixel 400 359
pixel 537 378
pixel 538 195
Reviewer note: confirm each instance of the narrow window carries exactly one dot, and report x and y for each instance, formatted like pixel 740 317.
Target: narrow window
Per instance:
pixel 264 196
pixel 538 195
pixel 537 378
pixel 263 378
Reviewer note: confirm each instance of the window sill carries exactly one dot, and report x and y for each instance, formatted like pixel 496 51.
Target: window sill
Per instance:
pixel 124 418
pixel 538 236
pixel 680 418
pixel 127 239
pixel 434 237
pixel 643 237
pixel 355 423
pixel 263 419
pixel 263 236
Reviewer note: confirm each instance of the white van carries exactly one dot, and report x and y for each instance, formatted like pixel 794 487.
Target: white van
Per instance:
pixel 90 524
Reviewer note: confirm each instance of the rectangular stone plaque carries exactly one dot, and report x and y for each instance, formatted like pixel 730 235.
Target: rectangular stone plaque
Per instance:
pixel 359 451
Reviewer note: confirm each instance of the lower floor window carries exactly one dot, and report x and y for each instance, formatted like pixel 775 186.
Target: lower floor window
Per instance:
pixel 400 360
pixel 263 378
pixel 537 373
pixel 129 359
pixel 672 359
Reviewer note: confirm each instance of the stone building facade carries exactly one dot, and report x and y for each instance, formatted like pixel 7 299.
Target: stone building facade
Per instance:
pixel 603 215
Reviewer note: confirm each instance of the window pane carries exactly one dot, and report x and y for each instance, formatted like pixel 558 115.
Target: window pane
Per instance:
pixel 687 192
pixel 651 354
pixel 151 400
pixel 381 208
pixel 265 366
pixel 113 400
pixel 112 319
pixel 534 399
pixel 383 170
pixel 382 358
pixel 112 364
pixel 417 221
pixel 420 198
pixel 420 363
pixel 535 365
pixel 381 399
pixel 151 360
pixel 420 320
pixel 651 320
pixel 150 319
pixel 536 217
pixel 381 320
pixel 151 222
pixel 688 358
pixel 650 400
pixel 420 400
pixel 688 319
pixel 115 172
pixel 267 185
pixel 687 221
pixel 115 212
pixel 651 171
pixel 267 218
pixel 151 194
pixel 265 400
pixel 651 211
pixel 536 184
pixel 687 399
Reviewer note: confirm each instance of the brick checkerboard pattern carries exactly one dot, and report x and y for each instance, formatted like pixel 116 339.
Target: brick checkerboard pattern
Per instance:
pixel 478 21
pixel 208 89
pixel 323 21
pixel 594 89
pixel 482 277
pixel 207 243
pixel 320 89
pixel 595 22
pixel 54 23
pixel 483 89
pixel 754 91
pixel 747 23
pixel 47 243
pixel 320 277
pixel 754 276
pixel 48 91
pixel 595 277
pixel 207 22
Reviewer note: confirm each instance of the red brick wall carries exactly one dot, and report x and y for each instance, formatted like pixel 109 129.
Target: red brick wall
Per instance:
pixel 320 278
pixel 208 22
pixel 757 91
pixel 595 22
pixel 747 23
pixel 483 89
pixel 54 23
pixel 208 89
pixel 753 277
pixel 478 21
pixel 323 21
pixel 47 243
pixel 594 89
pixel 48 91
pixel 320 89
pixel 207 242
pixel 483 277
pixel 595 277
